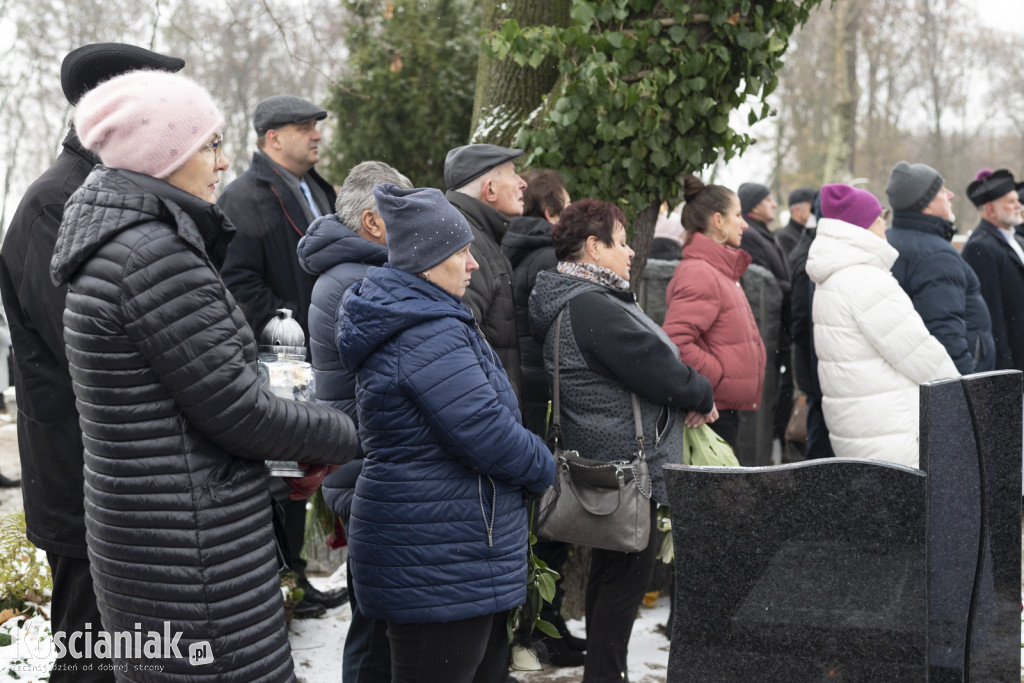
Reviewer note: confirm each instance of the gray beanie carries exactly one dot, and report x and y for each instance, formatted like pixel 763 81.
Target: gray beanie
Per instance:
pixel 912 187
pixel 751 194
pixel 423 228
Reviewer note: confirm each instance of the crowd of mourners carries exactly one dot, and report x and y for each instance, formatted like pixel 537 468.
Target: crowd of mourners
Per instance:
pixel 136 296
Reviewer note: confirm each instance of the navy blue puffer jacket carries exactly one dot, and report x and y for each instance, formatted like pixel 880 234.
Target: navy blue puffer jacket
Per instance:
pixel 438 528
pixel 337 258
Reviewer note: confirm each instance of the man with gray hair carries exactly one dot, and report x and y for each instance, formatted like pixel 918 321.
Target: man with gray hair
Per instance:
pixel 337 250
pixel 483 185
pixel 945 291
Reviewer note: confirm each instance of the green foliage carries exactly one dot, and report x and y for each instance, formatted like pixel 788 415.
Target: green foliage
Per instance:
pixel 407 97
pixel 540 588
pixel 647 88
pixel 24 579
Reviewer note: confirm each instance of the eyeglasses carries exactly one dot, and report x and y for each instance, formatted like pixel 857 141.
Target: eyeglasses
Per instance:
pixel 213 146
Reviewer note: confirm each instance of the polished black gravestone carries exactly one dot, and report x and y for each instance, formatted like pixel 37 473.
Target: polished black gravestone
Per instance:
pixel 858 570
pixel 971 450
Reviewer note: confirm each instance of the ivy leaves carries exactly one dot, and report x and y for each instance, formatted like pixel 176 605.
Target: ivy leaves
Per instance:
pixel 647 88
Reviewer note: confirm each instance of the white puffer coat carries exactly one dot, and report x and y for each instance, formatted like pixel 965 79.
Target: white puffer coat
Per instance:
pixel 874 350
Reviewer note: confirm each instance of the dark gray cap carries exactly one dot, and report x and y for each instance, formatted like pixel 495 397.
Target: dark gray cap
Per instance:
pixel 751 194
pixel 281 110
pixel 424 229
pixel 86 67
pixel 802 194
pixel 469 162
pixel 912 187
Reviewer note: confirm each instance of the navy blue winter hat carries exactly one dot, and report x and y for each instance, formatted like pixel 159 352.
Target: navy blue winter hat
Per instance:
pixel 423 228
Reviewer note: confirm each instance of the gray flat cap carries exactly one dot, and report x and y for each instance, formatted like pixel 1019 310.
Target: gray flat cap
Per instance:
pixel 86 67
pixel 469 162
pixel 280 110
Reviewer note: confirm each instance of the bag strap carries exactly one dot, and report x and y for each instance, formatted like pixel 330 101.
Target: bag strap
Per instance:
pixel 556 421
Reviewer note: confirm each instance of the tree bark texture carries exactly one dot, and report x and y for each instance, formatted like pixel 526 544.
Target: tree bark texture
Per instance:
pixel 643 235
pixel 507 93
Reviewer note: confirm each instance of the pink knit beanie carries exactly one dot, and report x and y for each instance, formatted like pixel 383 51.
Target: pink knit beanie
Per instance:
pixel 849 204
pixel 150 122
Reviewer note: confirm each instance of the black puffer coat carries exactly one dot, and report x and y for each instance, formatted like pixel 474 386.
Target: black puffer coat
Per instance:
pixel 489 295
pixel 175 429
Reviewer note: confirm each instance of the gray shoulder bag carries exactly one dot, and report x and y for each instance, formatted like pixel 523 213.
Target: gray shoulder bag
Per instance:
pixel 595 503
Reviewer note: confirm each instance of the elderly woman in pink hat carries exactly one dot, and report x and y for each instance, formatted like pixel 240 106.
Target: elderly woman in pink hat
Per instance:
pixel 874 350
pixel 174 424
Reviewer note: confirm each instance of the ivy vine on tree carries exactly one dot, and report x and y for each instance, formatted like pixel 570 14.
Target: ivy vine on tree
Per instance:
pixel 645 93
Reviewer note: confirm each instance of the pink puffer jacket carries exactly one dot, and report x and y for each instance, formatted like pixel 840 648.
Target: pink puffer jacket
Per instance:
pixel 710 321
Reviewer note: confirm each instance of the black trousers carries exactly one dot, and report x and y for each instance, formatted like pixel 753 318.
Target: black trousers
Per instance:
pixel 615 589
pixel 73 606
pixel 366 656
pixel 466 651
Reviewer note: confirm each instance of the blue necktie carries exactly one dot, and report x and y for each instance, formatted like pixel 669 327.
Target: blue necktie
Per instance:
pixel 309 198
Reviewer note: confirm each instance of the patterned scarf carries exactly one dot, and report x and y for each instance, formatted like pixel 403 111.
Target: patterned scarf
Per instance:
pixel 594 273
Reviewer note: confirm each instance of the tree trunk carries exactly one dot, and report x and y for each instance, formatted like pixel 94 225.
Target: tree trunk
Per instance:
pixel 839 157
pixel 643 235
pixel 506 93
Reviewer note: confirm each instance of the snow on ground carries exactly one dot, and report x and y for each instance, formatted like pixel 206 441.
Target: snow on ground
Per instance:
pixel 317 645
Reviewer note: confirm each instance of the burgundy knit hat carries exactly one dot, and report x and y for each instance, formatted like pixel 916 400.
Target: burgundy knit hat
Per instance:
pixel 849 204
pixel 150 122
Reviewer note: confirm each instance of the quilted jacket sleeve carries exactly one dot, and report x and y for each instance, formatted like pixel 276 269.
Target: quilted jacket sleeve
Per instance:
pixel 440 371
pixel 693 304
pixel 889 322
pixel 178 316
pixel 938 289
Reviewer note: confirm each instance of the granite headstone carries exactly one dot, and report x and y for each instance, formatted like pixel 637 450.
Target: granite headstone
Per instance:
pixel 859 570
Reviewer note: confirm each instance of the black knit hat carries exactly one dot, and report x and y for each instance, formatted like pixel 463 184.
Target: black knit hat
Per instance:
pixel 751 194
pixel 912 187
pixel 802 194
pixel 86 67
pixel 423 227
pixel 990 185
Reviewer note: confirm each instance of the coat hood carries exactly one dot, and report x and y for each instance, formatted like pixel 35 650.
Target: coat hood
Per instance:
pixel 328 243
pixel 387 302
pixel 553 291
pixel 838 245
pixel 114 200
pixel 526 234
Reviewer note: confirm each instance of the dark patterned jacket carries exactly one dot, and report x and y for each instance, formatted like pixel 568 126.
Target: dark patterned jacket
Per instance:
pixel 609 348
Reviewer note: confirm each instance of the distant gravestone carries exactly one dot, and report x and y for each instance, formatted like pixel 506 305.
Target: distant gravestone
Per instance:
pixel 757 427
pixel 859 570
pixel 651 294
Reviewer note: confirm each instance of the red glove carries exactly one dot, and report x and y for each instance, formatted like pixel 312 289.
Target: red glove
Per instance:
pixel 305 486
pixel 337 538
